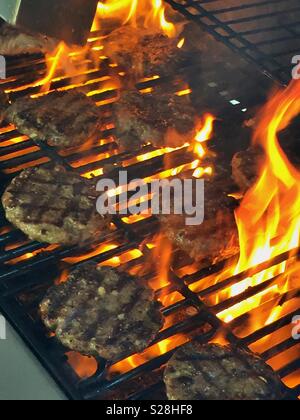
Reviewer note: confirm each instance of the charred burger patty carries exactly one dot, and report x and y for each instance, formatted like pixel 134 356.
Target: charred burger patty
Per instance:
pixel 52 205
pixel 143 53
pixel 160 118
pixel 101 312
pixel 217 237
pixel 214 372
pixel 14 41
pixel 62 119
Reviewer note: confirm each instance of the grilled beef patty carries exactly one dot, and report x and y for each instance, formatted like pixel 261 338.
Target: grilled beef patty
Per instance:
pixel 101 312
pixel 62 119
pixel 214 372
pixel 217 237
pixel 52 205
pixel 15 41
pixel 143 53
pixel 160 118
pixel 245 167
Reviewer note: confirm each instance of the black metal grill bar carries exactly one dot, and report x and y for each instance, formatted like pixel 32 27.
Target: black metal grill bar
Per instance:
pixel 13 283
pixel 151 365
pixel 54 257
pixel 279 348
pixel 196 277
pixel 250 292
pixel 56 360
pixel 269 329
pixel 234 33
pixel 290 368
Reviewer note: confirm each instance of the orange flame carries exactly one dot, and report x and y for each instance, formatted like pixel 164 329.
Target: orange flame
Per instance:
pixel 150 12
pixel 204 134
pixel 269 216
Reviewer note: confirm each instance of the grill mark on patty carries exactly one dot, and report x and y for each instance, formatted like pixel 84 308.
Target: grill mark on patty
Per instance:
pixel 85 312
pixel 150 117
pixel 63 119
pixel 52 196
pixel 217 372
pixel 117 325
pixel 18 196
pixel 217 237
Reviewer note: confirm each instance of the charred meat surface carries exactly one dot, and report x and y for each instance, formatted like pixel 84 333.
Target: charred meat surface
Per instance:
pixel 52 205
pixel 246 166
pixel 102 312
pixel 217 237
pixel 15 41
pixel 214 372
pixel 160 118
pixel 62 119
pixel 144 53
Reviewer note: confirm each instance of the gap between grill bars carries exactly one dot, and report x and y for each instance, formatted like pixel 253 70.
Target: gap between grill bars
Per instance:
pixel 264 32
pixel 24 280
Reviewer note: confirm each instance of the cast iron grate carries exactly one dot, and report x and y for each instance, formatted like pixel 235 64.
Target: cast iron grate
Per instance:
pixel 264 32
pixel 28 269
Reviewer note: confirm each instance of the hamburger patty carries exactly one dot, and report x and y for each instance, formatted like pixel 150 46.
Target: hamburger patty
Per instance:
pixel 245 167
pixel 143 53
pixel 52 205
pixel 214 372
pixel 164 119
pixel 101 312
pixel 62 119
pixel 217 237
pixel 15 41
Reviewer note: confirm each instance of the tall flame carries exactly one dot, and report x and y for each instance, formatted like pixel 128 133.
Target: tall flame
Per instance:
pixel 151 12
pixel 204 133
pixel 269 216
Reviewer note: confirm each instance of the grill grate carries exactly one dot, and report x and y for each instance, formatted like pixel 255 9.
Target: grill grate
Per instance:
pixel 28 269
pixel 264 32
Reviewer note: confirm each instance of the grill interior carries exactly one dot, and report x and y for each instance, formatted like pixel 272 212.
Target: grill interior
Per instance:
pixel 266 33
pixel 28 268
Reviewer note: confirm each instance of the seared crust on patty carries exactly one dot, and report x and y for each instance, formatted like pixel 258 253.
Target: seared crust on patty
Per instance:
pixel 101 312
pixel 160 118
pixel 52 205
pixel 214 372
pixel 15 41
pixel 61 119
pixel 144 53
pixel 217 237
pixel 246 166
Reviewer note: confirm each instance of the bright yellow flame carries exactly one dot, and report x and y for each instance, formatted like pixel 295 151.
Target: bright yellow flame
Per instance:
pixel 150 12
pixel 203 135
pixel 269 216
pixel 52 63
pixel 181 43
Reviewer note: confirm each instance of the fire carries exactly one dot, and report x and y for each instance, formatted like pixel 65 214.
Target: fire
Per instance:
pixel 204 133
pixel 84 366
pixel 181 43
pixel 52 65
pixel 156 350
pixel 269 216
pixel 162 253
pixel 51 72
pixel 152 14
